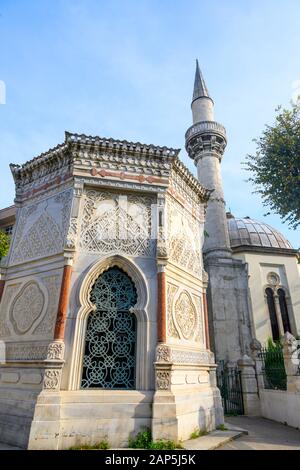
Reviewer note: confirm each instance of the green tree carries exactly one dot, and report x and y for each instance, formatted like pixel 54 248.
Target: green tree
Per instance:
pixel 275 166
pixel 4 244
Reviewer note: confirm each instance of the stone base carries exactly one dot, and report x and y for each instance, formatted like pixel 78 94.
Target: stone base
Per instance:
pixel 16 413
pixel 228 306
pixel 66 419
pixel 177 414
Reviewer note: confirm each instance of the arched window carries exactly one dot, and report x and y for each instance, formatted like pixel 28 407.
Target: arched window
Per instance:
pixel 110 343
pixel 272 313
pixel 284 311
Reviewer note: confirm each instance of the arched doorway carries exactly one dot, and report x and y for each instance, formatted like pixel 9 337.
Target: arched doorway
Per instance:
pixel 109 360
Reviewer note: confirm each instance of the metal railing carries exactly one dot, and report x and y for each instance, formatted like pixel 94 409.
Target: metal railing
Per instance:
pixel 230 385
pixel 273 369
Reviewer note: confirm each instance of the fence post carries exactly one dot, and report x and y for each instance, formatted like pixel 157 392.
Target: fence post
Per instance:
pixel 249 386
pixel 291 362
pixel 256 347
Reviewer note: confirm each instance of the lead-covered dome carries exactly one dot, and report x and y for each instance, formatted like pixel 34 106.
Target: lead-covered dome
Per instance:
pixel 249 232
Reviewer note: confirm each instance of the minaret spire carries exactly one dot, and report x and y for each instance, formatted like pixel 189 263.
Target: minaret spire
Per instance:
pixel 202 103
pixel 200 88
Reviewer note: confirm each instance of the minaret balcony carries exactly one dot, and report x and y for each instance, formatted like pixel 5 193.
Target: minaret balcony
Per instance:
pixel 205 127
pixel 205 137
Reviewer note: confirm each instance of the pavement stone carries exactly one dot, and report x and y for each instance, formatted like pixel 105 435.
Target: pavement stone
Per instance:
pixel 263 434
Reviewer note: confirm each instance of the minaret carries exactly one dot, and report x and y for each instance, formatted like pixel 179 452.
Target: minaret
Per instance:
pixel 205 144
pixel 227 294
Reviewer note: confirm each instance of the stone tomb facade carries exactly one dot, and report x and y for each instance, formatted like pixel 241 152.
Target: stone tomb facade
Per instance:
pixel 103 320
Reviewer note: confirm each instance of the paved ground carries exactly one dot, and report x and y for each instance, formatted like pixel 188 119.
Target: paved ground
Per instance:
pixel 263 434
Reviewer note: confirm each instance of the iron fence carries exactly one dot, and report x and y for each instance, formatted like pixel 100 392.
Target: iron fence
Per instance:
pixel 230 385
pixel 273 369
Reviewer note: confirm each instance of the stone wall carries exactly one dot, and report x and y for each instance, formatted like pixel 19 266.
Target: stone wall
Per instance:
pixel 281 406
pixel 28 309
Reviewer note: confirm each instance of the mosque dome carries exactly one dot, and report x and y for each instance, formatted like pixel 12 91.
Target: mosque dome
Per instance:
pixel 246 232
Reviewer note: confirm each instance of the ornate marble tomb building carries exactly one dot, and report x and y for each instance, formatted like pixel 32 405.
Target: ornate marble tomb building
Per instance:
pixel 104 324
pixel 103 311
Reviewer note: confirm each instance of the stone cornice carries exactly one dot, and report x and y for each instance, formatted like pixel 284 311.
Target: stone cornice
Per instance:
pixel 264 249
pixel 88 151
pixel 119 146
pixel 47 162
pixel 105 159
pixel 190 180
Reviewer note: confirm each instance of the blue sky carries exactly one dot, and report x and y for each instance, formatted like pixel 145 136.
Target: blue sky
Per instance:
pixel 125 69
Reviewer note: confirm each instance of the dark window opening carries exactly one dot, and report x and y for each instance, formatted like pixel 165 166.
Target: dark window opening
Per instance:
pixel 272 313
pixel 284 311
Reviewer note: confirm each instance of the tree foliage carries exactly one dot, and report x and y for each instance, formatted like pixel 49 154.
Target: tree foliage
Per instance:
pixel 275 167
pixel 4 244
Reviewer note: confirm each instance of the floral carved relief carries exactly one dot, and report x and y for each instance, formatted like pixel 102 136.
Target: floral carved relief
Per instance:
pixel 30 308
pixel 184 238
pixel 41 228
pixel 52 379
pixel 46 327
pixel 27 308
pixel 9 294
pixel 185 315
pixel 117 223
pixel 163 380
pixel 171 292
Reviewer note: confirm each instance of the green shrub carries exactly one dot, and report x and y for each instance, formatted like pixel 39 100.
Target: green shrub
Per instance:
pixel 274 365
pixel 4 244
pixel 143 440
pixel 198 433
pixel 102 445
pixel 222 427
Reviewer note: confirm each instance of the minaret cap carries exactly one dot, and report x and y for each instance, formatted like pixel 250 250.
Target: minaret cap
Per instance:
pixel 200 88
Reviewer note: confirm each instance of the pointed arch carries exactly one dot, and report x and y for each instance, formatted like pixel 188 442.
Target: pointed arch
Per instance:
pixel 87 282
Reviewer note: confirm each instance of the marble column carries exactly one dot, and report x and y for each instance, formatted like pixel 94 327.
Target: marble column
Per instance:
pixel 161 305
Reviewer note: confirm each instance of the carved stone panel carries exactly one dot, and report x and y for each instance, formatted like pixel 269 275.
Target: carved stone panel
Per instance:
pixel 163 380
pixel 53 285
pixel 9 294
pixel 185 315
pixel 184 239
pixel 172 330
pixel 27 308
pixel 117 223
pixel 41 228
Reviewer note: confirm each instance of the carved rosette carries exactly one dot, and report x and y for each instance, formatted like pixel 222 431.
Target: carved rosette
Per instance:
pixel 52 378
pixel 273 279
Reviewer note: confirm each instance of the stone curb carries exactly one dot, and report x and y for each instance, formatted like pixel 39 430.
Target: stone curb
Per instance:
pixel 215 439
